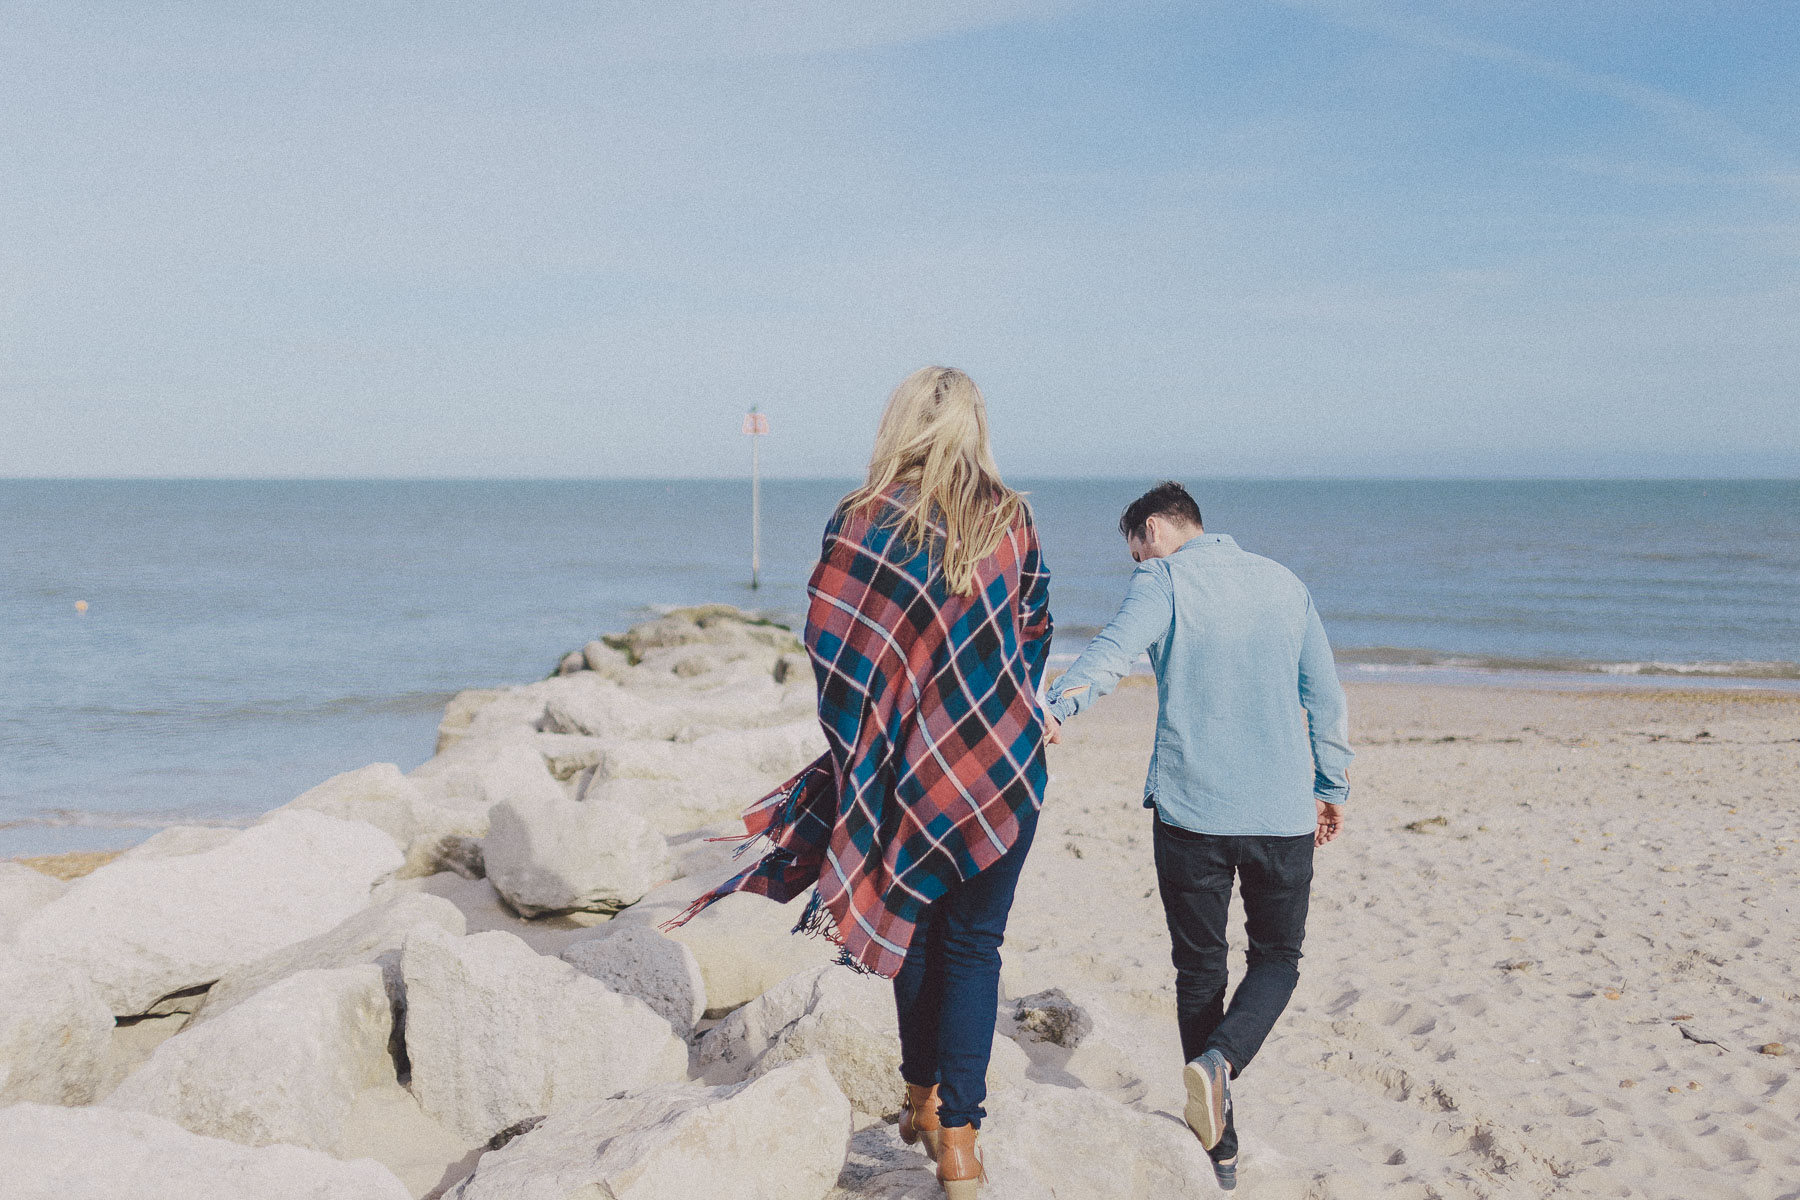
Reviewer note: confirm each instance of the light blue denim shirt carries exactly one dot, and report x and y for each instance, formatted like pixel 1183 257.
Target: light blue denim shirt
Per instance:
pixel 1251 723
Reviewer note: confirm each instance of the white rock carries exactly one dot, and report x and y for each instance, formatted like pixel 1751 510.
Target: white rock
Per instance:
pixel 842 1017
pixel 22 892
pixel 832 1013
pixel 681 785
pixel 782 1137
pixel 745 945
pixel 1080 1039
pixel 483 771
pixel 283 1066
pixel 107 1154
pixel 497 1033
pixel 429 826
pixel 774 753
pixel 638 961
pixel 599 707
pixel 146 928
pixel 741 759
pixel 377 793
pixel 567 755
pixel 461 713
pixel 557 855
pixel 362 938
pixel 669 805
pixel 177 840
pixel 720 627
pixel 603 659
pixel 659 704
pixel 54 1034
pixel 1042 1142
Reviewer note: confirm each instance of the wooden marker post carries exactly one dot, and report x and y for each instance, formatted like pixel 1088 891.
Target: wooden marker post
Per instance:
pixel 756 426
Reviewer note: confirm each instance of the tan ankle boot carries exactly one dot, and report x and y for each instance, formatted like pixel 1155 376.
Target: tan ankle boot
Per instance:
pixel 919 1118
pixel 959 1169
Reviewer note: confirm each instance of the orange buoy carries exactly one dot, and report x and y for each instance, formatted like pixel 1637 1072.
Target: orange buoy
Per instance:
pixel 81 606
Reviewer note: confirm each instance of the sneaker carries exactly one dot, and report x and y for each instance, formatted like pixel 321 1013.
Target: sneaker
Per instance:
pixel 1226 1174
pixel 1208 1080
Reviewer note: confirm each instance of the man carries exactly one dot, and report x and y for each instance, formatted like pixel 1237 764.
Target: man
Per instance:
pixel 1247 776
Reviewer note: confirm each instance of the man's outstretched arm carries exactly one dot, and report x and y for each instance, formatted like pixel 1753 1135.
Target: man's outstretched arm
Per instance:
pixel 1144 616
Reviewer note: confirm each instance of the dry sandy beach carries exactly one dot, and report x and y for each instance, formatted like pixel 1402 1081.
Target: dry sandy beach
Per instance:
pixel 1536 895
pixel 1544 960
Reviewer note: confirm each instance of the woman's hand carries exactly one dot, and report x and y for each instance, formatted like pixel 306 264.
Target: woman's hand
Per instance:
pixel 1052 728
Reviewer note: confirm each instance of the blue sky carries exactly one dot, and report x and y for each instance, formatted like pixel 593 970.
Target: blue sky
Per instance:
pixel 579 239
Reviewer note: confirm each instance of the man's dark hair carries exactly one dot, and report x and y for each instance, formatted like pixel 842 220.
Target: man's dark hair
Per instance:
pixel 1166 499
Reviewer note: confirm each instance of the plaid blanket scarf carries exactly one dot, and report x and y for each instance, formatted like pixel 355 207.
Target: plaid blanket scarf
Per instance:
pixel 936 743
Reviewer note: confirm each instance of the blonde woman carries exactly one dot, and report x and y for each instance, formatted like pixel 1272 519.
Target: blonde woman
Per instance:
pixel 928 628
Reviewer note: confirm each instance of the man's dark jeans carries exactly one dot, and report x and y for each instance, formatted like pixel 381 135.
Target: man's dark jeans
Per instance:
pixel 949 986
pixel 1194 872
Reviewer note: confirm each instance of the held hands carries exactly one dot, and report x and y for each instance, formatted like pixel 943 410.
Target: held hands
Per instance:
pixel 1052 726
pixel 1331 822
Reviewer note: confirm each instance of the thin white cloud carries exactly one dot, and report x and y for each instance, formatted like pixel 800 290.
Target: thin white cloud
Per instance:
pixel 1722 138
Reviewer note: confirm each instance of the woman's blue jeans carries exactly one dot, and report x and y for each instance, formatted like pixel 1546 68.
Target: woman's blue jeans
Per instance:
pixel 948 989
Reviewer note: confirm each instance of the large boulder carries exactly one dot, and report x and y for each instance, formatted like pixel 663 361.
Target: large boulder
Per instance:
pixel 725 630
pixel 1043 1142
pixel 22 892
pixel 780 1137
pixel 107 1153
pixel 843 1018
pixel 483 714
pixel 745 945
pixel 283 1066
pixel 598 707
pixel 483 771
pixel 832 1013
pixel 175 841
pixel 635 960
pixel 144 929
pixel 602 658
pixel 567 755
pixel 366 936
pixel 432 828
pixel 54 1033
pixel 559 855
pixel 497 1033
pixel 669 806
pixel 681 785
pixel 737 760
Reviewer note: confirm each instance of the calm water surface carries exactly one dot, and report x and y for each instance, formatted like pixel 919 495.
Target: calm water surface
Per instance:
pixel 243 640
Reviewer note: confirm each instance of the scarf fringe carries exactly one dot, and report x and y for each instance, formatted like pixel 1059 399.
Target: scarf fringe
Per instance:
pixel 782 805
pixel 817 921
pixel 689 913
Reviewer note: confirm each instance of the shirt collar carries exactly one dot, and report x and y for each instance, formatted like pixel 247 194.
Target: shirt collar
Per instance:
pixel 1207 539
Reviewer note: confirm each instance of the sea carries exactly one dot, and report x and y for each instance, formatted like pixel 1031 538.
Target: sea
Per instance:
pixel 202 651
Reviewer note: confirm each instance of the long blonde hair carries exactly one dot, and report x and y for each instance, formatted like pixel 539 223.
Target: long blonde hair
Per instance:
pixel 933 440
